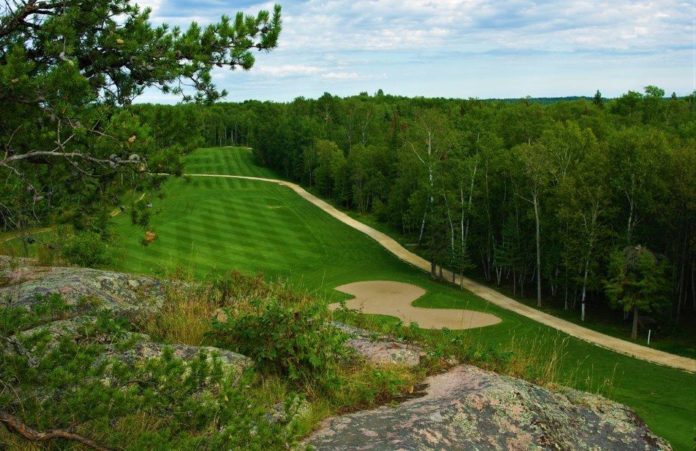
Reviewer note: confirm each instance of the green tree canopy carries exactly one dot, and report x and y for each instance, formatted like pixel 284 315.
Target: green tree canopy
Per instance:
pixel 636 282
pixel 67 67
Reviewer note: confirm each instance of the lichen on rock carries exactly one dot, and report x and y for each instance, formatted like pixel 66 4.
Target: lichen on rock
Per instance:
pixel 89 293
pixel 111 290
pixel 470 408
pixel 379 349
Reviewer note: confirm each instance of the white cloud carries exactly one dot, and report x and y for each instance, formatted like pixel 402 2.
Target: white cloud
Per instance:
pixel 340 75
pixel 287 70
pixel 483 25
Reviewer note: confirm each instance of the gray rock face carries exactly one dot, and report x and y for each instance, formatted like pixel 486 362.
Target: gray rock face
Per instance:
pixel 381 350
pixel 148 349
pixel 114 291
pixel 93 290
pixel 469 408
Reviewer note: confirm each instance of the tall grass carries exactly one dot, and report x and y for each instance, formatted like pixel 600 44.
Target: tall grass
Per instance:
pixel 185 316
pixel 539 360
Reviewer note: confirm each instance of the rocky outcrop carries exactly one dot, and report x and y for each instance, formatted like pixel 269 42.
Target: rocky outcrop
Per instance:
pixel 121 292
pixel 379 349
pixel 465 408
pixel 89 291
pixel 469 408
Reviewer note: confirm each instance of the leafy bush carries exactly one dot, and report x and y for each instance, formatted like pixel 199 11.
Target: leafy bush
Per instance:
pixel 296 340
pixel 85 249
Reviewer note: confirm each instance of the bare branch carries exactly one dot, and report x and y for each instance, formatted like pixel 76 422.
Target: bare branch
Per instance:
pixel 57 154
pixel 15 425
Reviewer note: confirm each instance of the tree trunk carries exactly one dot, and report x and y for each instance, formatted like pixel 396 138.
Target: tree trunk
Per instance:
pixel 631 212
pixel 538 249
pixel 465 235
pixel 565 289
pixel 693 284
pixel 584 289
pixel 634 330
pixel 422 227
pixel 451 223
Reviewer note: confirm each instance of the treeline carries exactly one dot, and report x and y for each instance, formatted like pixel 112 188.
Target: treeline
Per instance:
pixel 533 195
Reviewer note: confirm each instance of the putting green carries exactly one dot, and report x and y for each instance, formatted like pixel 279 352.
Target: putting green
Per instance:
pixel 206 225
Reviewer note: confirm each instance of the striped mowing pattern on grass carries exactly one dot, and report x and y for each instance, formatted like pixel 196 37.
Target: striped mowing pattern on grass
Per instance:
pixel 225 160
pixel 215 224
pixel 216 232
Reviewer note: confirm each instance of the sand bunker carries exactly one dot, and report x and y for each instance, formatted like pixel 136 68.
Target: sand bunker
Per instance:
pixel 394 299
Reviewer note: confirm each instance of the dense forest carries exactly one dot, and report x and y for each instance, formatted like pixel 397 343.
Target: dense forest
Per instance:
pixel 567 201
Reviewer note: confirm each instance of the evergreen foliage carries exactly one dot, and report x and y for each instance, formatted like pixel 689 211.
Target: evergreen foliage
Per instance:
pixel 69 70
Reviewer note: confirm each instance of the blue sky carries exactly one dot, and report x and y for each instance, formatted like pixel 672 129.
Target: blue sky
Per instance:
pixel 458 48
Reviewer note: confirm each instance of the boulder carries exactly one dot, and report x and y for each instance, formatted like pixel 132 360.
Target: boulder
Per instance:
pixel 470 408
pixel 143 350
pixel 91 290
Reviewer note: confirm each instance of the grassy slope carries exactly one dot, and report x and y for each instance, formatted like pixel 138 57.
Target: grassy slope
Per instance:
pixel 207 225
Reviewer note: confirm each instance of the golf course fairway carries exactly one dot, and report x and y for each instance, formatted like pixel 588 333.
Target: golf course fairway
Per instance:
pixel 206 225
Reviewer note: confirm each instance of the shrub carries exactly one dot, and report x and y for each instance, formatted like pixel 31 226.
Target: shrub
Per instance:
pixel 85 249
pixel 296 341
pixel 140 214
pixel 46 308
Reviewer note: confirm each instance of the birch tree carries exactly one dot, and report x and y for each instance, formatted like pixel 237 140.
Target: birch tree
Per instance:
pixel 536 173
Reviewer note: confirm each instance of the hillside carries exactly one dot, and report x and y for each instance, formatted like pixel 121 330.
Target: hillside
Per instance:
pixel 415 225
pixel 101 362
pixel 315 252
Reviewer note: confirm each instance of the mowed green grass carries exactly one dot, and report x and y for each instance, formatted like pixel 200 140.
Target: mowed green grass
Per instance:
pixel 209 225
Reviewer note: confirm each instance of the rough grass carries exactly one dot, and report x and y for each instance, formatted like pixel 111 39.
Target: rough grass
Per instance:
pixel 210 225
pixel 187 317
pixel 345 383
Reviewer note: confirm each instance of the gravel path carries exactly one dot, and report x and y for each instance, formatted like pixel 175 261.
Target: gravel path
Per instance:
pixel 489 294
